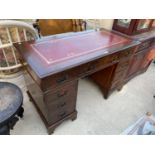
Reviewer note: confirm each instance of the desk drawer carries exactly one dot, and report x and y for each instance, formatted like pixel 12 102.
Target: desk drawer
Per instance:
pixel 126 53
pixel 144 45
pixel 59 79
pixel 66 90
pixel 88 68
pixel 113 58
pixel 108 60
pixel 96 65
pixel 67 103
pixel 61 101
pixel 59 109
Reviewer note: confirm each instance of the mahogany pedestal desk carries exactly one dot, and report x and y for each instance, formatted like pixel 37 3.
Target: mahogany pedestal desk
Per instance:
pixel 56 63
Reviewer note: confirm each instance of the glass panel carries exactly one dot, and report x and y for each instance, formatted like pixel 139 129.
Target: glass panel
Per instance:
pixel 143 23
pixel 124 22
pixel 153 24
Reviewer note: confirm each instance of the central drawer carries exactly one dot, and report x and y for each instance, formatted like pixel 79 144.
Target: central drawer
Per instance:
pixel 144 45
pixel 98 64
pixel 127 52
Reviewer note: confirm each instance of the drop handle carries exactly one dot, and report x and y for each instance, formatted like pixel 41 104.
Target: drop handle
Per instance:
pixel 62 114
pixel 91 67
pixel 127 53
pixel 61 94
pixel 115 59
pixel 62 79
pixel 62 105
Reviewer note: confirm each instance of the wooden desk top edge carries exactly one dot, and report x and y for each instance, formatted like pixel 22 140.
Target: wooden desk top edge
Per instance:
pixel 42 72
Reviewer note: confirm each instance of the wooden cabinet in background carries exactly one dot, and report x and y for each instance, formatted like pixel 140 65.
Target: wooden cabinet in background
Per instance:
pixel 133 26
pixel 56 26
pixel 142 30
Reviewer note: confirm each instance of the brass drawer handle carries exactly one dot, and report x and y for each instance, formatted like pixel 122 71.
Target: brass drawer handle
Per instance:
pixel 62 79
pixel 62 93
pixel 127 53
pixel 143 46
pixel 91 67
pixel 62 105
pixel 62 114
pixel 115 58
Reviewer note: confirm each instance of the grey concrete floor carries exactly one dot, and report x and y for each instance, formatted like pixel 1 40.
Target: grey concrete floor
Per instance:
pixel 95 114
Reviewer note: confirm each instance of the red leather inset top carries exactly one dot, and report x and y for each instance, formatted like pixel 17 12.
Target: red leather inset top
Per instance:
pixel 57 50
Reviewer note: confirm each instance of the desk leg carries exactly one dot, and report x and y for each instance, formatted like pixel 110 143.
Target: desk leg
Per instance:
pixel 105 92
pixel 21 112
pixel 119 88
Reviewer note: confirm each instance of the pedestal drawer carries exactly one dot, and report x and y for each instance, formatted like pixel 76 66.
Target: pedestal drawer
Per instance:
pixel 66 90
pixel 59 109
pixel 61 101
pixel 126 53
pixel 59 79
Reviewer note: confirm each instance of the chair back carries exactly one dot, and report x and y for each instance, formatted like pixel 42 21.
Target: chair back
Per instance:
pixel 57 26
pixel 12 31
